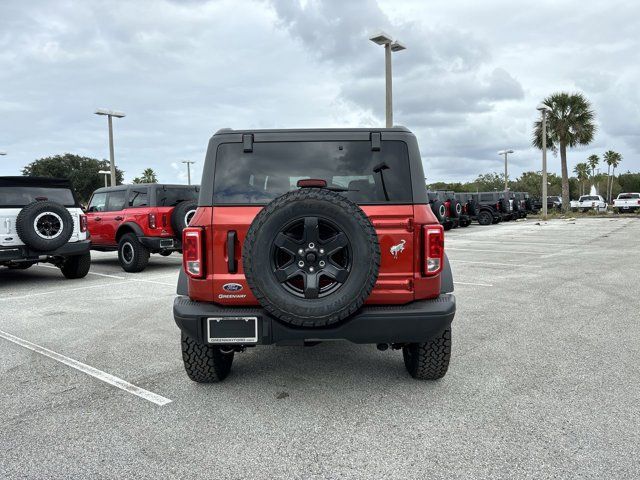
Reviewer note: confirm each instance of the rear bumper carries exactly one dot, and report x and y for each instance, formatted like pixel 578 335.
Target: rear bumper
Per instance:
pixel 22 252
pixel 414 322
pixel 161 243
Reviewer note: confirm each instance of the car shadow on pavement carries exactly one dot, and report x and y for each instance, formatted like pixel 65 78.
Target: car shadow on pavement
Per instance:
pixel 155 264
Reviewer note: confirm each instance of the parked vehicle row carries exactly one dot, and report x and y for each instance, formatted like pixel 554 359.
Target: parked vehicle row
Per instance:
pixel 460 209
pixel 41 220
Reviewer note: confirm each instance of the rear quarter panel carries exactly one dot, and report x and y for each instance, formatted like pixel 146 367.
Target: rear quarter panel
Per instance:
pixel 400 278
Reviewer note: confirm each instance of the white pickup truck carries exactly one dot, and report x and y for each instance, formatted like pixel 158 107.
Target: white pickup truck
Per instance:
pixel 589 202
pixel 41 221
pixel 627 202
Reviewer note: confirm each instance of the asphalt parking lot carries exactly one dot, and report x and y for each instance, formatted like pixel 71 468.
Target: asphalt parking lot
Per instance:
pixel 544 380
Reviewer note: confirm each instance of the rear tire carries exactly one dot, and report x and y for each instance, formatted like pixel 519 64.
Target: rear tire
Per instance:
pixel 429 360
pixel 132 254
pixel 485 218
pixel 77 266
pixel 205 363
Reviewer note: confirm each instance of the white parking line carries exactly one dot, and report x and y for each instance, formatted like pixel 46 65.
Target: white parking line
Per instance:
pixel 90 273
pixel 499 264
pixel 476 284
pixel 84 368
pixel 65 290
pixel 518 242
pixel 61 290
pixel 518 252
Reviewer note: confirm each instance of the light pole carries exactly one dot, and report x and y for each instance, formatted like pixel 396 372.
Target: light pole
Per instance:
pixel 506 175
pixel 188 170
pixel 110 114
pixel 390 45
pixel 106 174
pixel 543 109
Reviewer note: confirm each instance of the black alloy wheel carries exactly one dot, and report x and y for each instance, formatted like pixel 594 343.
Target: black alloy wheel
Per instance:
pixel 311 257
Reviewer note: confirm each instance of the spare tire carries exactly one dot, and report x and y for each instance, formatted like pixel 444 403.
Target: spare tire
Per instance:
pixel 471 208
pixel 182 215
pixel 439 210
pixel 456 208
pixel 311 257
pixel 44 225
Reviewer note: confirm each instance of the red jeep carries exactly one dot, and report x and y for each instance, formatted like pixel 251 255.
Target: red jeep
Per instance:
pixel 141 219
pixel 304 236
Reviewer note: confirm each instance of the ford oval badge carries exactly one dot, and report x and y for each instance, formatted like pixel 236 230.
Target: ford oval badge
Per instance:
pixel 232 287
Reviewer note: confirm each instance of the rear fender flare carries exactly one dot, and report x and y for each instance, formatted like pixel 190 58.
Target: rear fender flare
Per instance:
pixel 127 227
pixel 446 277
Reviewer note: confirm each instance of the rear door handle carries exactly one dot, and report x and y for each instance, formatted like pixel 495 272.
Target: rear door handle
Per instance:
pixel 118 218
pixel 97 219
pixel 231 252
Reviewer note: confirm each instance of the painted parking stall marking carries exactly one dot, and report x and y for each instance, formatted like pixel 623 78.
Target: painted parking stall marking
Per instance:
pixel 89 370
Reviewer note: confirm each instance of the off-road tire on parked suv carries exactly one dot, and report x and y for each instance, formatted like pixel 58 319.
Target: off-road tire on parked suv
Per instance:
pixel 485 218
pixel 205 363
pixel 429 360
pixel 44 225
pixel 77 266
pixel 132 254
pixel 336 245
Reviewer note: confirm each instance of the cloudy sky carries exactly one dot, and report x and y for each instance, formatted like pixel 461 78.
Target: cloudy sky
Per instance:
pixel 467 85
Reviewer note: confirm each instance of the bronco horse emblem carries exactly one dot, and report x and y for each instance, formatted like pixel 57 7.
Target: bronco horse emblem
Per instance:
pixel 396 249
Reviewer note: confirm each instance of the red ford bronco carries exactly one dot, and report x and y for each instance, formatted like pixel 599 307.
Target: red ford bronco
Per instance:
pixel 303 236
pixel 140 219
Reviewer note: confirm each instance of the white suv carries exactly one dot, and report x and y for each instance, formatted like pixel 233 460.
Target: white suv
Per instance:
pixel 42 221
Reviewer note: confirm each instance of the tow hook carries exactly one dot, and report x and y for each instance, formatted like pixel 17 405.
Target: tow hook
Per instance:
pixel 229 349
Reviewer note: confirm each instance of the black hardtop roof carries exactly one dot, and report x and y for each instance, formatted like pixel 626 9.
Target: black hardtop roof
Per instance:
pixel 127 185
pixel 24 181
pixel 397 128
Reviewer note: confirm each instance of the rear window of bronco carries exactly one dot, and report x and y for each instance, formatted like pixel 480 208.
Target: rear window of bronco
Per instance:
pixel 351 167
pixel 172 196
pixel 22 196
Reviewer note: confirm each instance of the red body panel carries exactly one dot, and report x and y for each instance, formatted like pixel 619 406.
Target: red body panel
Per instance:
pixel 400 280
pixel 104 226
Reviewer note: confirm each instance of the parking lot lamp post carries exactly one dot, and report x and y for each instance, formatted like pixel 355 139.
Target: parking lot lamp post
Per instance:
pixel 543 109
pixel 390 45
pixel 506 176
pixel 106 174
pixel 188 170
pixel 110 114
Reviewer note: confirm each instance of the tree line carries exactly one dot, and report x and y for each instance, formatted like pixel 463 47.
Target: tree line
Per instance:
pixel 82 172
pixel 531 182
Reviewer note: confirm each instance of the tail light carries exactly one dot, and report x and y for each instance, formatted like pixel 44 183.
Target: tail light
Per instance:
pixel 83 223
pixel 192 258
pixel 433 249
pixel 638 202
pixel 164 220
pixel 152 220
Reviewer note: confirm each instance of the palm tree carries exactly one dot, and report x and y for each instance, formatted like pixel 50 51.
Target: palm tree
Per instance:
pixel 608 157
pixel 615 161
pixel 582 173
pixel 570 122
pixel 148 176
pixel 593 161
